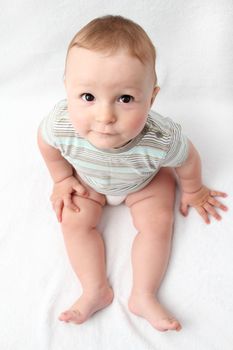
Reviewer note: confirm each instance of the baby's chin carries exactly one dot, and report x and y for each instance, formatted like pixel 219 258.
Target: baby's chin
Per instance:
pixel 107 142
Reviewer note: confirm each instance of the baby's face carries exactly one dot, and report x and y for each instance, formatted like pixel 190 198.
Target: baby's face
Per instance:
pixel 109 96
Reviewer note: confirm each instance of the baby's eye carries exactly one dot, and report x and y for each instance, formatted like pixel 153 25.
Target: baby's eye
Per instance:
pixel 87 97
pixel 126 98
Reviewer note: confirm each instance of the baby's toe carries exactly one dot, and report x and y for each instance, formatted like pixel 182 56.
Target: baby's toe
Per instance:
pixel 72 316
pixel 169 324
pixel 174 325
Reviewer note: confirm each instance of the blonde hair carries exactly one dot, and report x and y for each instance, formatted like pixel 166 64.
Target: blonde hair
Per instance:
pixel 111 33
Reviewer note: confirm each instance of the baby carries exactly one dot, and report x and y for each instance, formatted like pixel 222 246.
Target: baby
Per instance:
pixel 104 145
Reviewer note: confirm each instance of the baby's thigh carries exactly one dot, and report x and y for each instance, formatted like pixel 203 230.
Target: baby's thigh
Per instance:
pixel 155 202
pixel 161 189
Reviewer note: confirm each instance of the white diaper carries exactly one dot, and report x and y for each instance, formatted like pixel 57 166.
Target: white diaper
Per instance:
pixel 115 200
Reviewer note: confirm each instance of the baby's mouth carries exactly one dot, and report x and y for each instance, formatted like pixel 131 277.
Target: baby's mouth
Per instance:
pixel 103 133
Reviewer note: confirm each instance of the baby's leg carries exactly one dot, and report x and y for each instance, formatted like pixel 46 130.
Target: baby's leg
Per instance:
pixel 85 249
pixel 152 212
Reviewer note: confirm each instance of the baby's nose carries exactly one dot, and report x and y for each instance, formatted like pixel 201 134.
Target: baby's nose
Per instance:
pixel 106 115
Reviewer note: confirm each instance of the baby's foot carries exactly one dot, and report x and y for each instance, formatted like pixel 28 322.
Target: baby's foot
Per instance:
pixel 148 307
pixel 87 305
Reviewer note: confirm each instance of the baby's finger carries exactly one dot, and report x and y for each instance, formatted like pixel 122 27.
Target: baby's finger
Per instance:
pixel 211 210
pixel 58 207
pixel 203 214
pixel 218 194
pixel 80 189
pixel 69 203
pixel 184 209
pixel 217 204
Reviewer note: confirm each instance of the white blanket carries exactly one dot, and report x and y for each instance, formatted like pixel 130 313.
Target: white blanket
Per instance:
pixel 194 43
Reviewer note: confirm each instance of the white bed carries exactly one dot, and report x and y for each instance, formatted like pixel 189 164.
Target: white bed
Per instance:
pixel 195 54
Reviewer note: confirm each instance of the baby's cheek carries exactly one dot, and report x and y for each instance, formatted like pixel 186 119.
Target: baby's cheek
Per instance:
pixel 136 125
pixel 78 126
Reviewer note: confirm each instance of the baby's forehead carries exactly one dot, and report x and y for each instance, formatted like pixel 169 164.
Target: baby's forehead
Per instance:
pixel 85 59
pixel 88 65
pixel 75 52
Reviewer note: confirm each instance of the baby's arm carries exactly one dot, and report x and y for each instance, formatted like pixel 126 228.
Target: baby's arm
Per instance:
pixel 61 172
pixel 194 193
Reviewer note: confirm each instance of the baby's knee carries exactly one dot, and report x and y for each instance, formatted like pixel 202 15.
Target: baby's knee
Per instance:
pixel 85 219
pixel 161 220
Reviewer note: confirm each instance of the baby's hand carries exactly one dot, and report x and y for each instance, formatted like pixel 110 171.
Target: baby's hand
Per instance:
pixel 204 202
pixel 62 195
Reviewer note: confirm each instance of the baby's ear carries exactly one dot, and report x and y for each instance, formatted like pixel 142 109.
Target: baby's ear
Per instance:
pixel 154 94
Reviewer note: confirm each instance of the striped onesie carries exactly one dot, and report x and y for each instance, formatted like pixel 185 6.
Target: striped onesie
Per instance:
pixel 117 172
